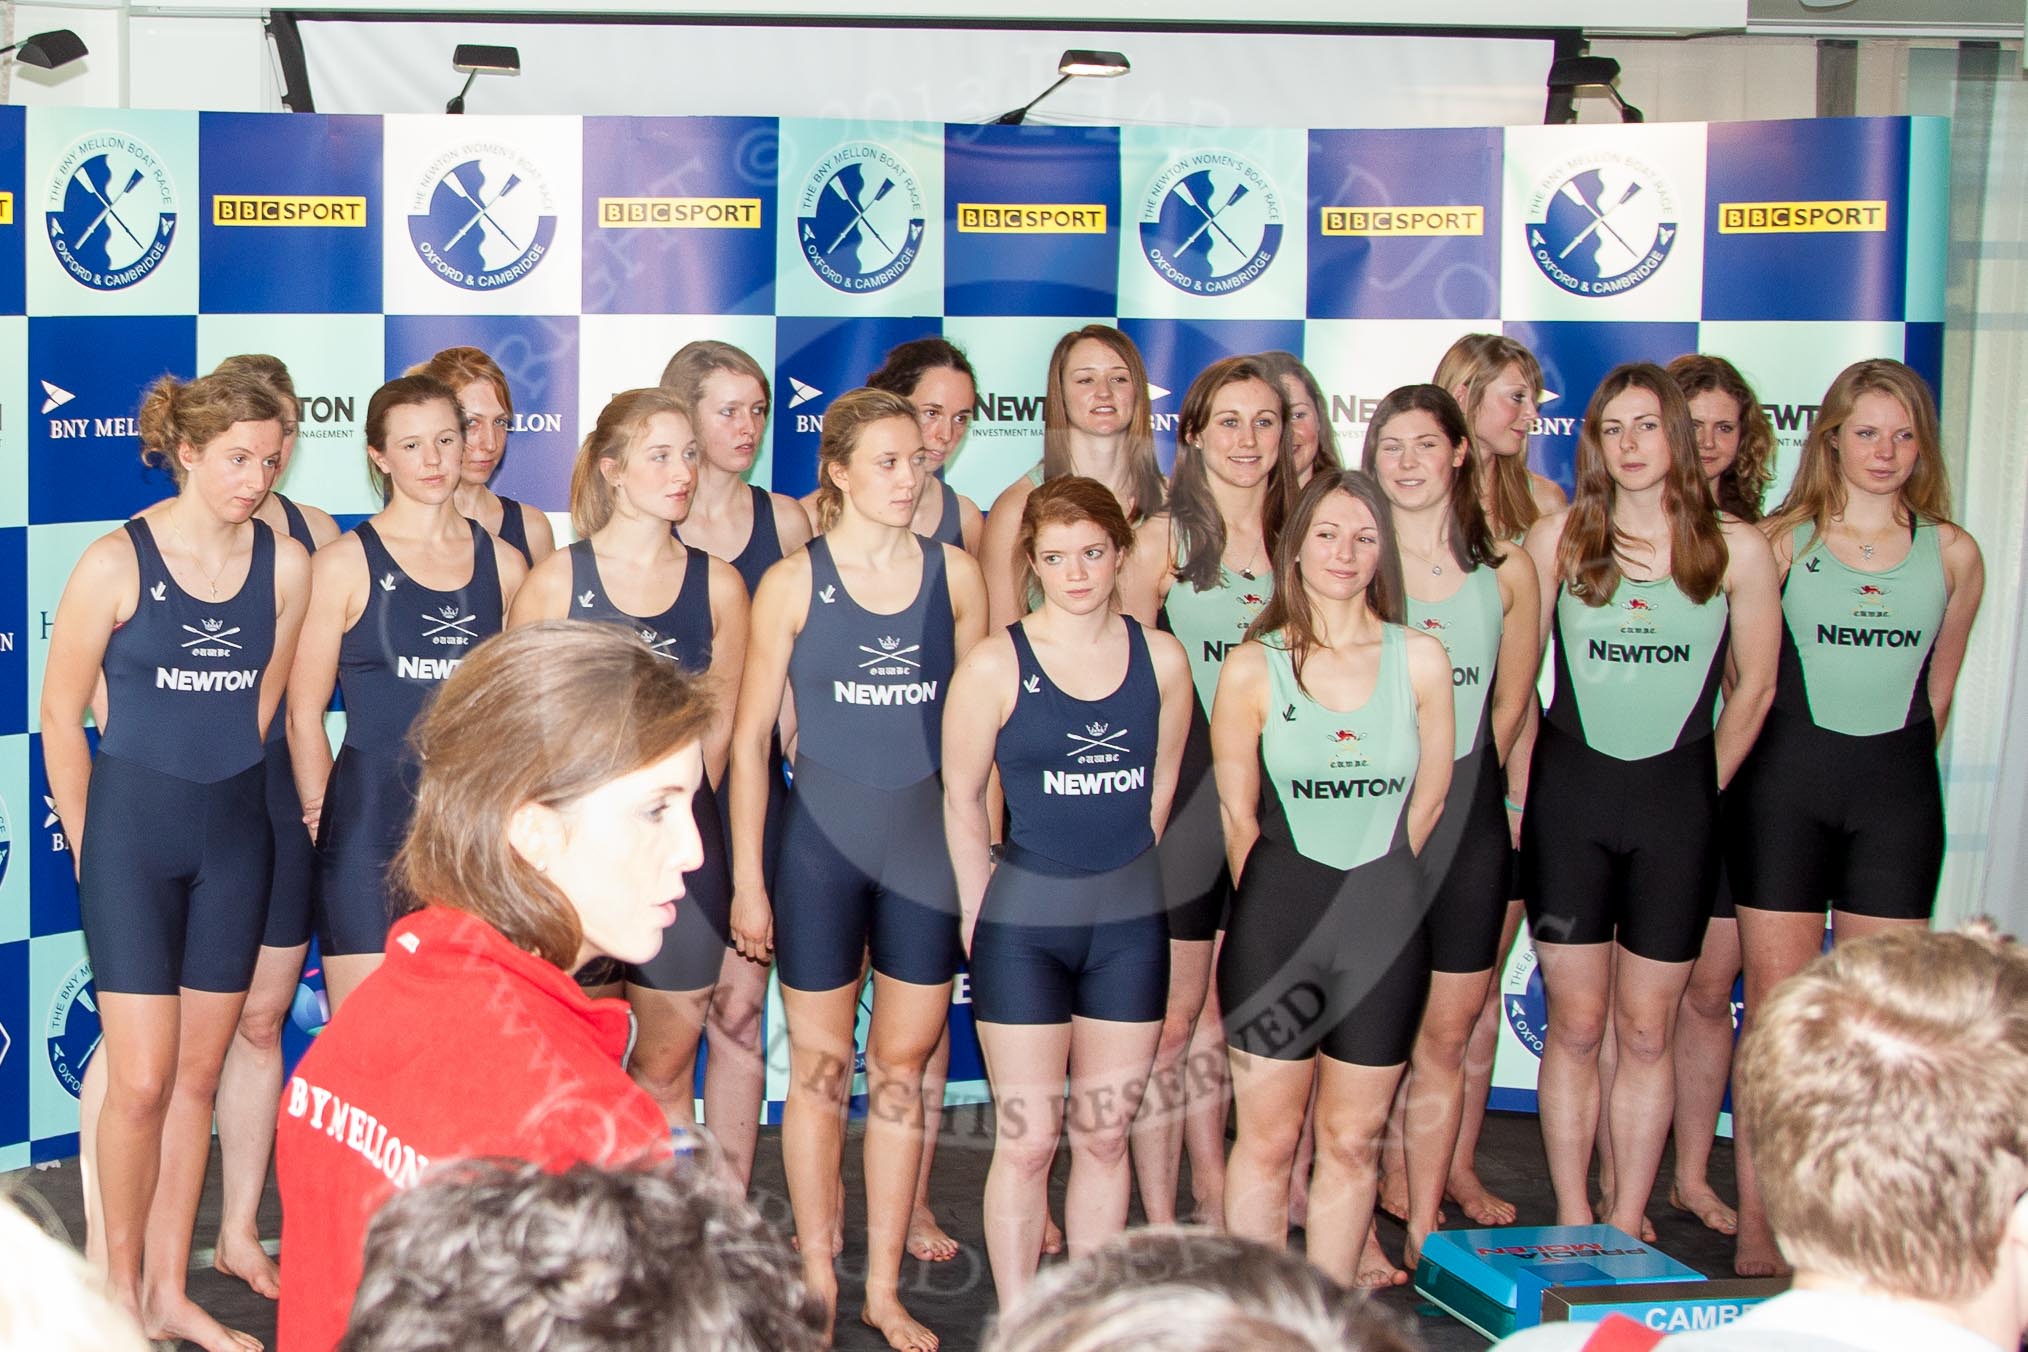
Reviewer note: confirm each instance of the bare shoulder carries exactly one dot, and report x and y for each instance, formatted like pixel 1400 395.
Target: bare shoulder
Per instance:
pixel 323 526
pixel 1548 494
pixel 792 524
pixel 1012 498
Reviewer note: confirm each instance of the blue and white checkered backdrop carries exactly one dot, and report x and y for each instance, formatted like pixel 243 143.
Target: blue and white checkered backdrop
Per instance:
pixel 581 252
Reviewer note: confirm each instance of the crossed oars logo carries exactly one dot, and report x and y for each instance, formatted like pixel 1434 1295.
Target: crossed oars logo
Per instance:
pixel 481 209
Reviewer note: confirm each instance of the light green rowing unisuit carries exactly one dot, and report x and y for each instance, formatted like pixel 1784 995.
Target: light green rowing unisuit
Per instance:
pixel 1337 781
pixel 1863 640
pixel 1212 622
pixel 1638 675
pixel 1468 623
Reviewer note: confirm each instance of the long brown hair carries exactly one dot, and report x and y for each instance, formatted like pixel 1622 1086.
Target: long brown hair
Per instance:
pixel 458 367
pixel 1744 482
pixel 1282 366
pixel 1144 471
pixel 1473 363
pixel 1587 557
pixel 1288 607
pixel 544 713
pixel 849 415
pixel 195 413
pixel 1471 539
pixel 621 424
pixel 1066 502
pixel 1818 492
pixel 1196 528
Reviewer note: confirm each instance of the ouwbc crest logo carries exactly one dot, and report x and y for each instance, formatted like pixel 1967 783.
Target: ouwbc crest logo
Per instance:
pixel 1601 224
pixel 110 210
pixel 1211 223
pixel 859 219
pixel 482 216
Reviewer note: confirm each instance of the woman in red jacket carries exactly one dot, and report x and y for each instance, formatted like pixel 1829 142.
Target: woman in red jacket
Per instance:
pixel 553 825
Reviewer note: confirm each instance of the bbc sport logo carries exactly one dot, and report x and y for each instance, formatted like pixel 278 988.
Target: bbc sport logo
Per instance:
pixel 1601 224
pixel 110 210
pixel 1211 223
pixel 860 218
pixel 482 217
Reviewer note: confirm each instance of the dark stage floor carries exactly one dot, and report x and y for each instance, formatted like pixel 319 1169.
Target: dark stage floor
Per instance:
pixel 956 1298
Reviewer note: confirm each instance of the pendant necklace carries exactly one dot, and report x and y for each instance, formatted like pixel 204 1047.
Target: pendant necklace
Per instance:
pixel 210 583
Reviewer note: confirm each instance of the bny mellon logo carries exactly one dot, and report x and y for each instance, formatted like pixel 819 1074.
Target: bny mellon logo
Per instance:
pixel 55 396
pixel 800 393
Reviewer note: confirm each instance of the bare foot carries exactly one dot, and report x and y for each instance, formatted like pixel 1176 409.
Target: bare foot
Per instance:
pixel 1375 1268
pixel 1393 1197
pixel 897 1325
pixel 837 1242
pixel 1750 1259
pixel 1706 1206
pixel 927 1240
pixel 175 1316
pixel 1052 1235
pixel 242 1256
pixel 1480 1206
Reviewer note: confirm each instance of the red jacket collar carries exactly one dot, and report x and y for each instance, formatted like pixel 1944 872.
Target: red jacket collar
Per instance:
pixel 429 941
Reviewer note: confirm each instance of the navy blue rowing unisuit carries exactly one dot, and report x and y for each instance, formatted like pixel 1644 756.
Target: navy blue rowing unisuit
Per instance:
pixel 295 867
pixel 762 551
pixel 1073 921
pixel 174 866
pixel 694 947
pixel 513 529
pixel 405 642
pixel 863 862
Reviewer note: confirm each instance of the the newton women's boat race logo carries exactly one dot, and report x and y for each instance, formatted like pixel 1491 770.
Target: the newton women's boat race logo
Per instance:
pixel 1211 223
pixel 482 216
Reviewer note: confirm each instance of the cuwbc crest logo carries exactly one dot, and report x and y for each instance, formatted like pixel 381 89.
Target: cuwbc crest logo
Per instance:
pixel 482 217
pixel 1211 223
pixel 110 210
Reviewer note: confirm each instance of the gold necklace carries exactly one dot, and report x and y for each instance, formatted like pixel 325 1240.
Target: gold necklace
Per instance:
pixel 210 583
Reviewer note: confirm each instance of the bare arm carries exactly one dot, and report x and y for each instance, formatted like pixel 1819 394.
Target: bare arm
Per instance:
pixel 102 592
pixel 541 535
pixel 1965 586
pixel 998 559
pixel 1754 647
pixel 1540 550
pixel 1172 677
pixel 980 699
pixel 1429 675
pixel 1238 713
pixel 292 602
pixel 545 595
pixel 338 583
pixel 1520 655
pixel 971 525
pixel 793 527
pixel 968 598
pixel 728 660
pixel 323 528
pixel 1149 572
pixel 513 571
pixel 780 605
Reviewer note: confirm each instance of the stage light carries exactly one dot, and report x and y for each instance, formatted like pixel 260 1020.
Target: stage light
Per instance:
pixel 1076 63
pixel 57 47
pixel 1573 73
pixel 474 58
